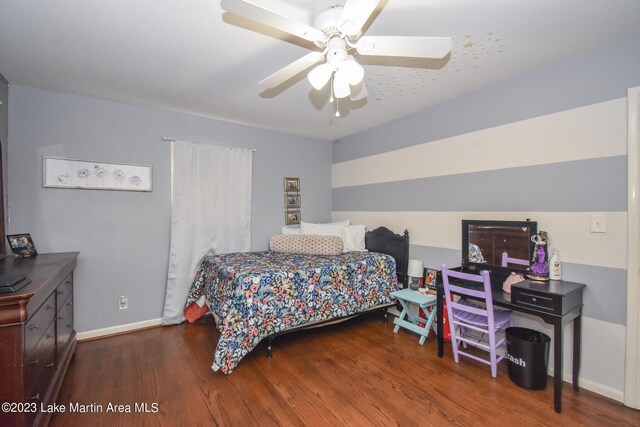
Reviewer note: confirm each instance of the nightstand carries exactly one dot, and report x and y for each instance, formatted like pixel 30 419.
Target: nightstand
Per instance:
pixel 410 321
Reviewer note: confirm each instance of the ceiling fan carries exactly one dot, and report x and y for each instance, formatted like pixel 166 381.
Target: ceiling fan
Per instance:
pixel 337 32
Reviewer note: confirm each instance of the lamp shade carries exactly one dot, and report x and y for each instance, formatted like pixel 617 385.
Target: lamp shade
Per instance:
pixel 341 87
pixel 416 268
pixel 319 76
pixel 353 71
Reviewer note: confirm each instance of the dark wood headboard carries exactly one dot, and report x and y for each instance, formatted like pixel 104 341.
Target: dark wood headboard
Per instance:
pixel 387 242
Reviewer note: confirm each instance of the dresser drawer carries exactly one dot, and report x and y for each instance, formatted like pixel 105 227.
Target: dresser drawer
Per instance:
pixel 35 328
pixel 38 390
pixel 41 356
pixel 65 290
pixel 65 305
pixel 64 328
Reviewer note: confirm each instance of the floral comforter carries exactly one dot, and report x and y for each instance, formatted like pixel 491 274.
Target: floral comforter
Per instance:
pixel 257 294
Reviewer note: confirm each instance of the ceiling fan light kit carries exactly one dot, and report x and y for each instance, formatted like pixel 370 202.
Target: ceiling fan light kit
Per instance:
pixel 336 31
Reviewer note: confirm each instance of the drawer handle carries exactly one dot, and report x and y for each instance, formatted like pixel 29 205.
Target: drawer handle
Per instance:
pixel 49 336
pixel 60 317
pixel 68 282
pixel 60 292
pixel 69 303
pixel 36 397
pixel 49 365
pixel 49 306
pixel 534 299
pixel 35 362
pixel 34 326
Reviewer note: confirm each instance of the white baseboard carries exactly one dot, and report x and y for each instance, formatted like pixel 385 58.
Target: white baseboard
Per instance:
pixel 97 333
pixel 595 387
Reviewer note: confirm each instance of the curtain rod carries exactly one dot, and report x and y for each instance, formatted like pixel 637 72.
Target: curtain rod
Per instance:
pixel 164 138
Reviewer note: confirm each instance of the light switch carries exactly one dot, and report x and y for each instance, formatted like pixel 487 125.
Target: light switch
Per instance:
pixel 598 223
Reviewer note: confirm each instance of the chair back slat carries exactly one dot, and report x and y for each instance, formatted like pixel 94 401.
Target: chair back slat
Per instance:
pixel 466 291
pixel 469 309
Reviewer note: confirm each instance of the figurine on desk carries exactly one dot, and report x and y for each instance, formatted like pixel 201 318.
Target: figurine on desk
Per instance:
pixel 539 267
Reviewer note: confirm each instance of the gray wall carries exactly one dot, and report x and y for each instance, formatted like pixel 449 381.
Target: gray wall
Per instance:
pixel 547 186
pixel 123 237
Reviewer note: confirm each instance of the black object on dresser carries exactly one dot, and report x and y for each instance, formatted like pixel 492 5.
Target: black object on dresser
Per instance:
pixel 556 302
pixel 37 338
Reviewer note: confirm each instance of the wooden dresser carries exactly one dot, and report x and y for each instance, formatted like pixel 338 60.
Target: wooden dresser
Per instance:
pixel 37 338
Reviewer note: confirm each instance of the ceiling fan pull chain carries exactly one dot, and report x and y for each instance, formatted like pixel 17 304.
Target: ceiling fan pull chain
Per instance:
pixel 337 108
pixel 331 92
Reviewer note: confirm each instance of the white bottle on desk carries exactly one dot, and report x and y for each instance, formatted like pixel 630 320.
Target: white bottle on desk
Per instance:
pixel 555 268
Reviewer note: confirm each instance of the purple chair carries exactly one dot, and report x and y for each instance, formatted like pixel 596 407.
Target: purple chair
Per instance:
pixel 472 323
pixel 507 260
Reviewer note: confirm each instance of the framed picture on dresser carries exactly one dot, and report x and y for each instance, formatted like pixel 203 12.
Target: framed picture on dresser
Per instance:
pixel 21 245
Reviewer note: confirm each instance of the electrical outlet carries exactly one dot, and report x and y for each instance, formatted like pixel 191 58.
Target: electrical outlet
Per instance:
pixel 122 303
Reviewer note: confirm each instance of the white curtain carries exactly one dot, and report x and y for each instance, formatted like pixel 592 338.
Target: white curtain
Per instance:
pixel 210 213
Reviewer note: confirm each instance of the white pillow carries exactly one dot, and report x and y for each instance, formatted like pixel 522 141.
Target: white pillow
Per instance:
pixel 331 229
pixel 290 230
pixel 354 238
pixel 344 223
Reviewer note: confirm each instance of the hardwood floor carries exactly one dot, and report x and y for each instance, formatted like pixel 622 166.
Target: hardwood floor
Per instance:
pixel 357 373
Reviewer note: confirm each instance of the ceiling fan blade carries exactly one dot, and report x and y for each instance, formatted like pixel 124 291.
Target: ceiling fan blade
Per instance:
pixel 355 14
pixel 291 70
pixel 274 19
pixel 417 47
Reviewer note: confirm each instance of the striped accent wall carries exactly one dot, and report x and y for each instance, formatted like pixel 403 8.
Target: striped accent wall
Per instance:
pixel 560 159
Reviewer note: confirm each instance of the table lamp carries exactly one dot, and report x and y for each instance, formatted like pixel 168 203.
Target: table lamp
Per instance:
pixel 415 271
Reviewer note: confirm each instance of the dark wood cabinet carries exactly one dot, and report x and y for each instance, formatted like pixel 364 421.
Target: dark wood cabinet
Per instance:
pixel 37 337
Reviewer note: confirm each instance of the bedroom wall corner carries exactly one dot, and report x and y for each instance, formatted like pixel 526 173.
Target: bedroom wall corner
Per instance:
pixel 123 237
pixel 4 139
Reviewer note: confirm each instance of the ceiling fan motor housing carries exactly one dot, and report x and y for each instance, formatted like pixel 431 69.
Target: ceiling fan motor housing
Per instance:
pixel 336 50
pixel 327 21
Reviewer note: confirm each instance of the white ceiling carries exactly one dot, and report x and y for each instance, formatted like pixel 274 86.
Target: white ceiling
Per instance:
pixel 190 56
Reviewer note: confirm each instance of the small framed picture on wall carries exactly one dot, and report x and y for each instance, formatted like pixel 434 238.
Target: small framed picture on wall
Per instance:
pixel 292 201
pixel 292 217
pixel 291 185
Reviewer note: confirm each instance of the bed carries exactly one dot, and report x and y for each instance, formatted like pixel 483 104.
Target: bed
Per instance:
pixel 260 295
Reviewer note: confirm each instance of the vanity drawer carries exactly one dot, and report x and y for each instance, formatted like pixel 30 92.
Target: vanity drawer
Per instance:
pixel 550 303
pixel 65 290
pixel 40 357
pixel 35 328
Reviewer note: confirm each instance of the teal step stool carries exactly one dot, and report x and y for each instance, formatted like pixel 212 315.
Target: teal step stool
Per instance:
pixel 406 296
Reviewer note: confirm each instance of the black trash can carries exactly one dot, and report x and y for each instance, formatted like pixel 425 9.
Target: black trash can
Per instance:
pixel 528 356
